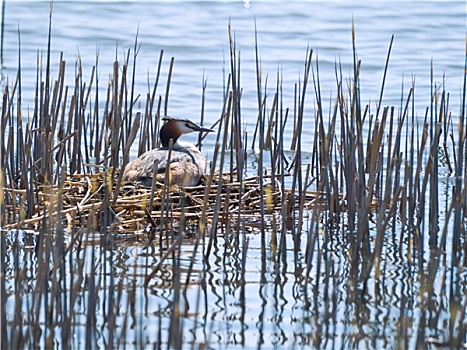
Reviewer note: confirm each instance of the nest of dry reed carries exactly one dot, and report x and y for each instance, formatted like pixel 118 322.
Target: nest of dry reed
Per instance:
pixel 138 209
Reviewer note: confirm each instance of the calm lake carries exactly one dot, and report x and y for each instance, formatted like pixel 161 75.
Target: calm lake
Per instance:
pixel 195 34
pixel 238 297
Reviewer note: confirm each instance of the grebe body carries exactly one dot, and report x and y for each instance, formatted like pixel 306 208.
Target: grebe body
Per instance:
pixel 186 164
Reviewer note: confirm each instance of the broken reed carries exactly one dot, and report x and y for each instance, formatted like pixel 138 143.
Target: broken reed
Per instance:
pixel 358 158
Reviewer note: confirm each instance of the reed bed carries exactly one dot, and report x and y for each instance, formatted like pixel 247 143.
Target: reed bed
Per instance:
pixel 370 193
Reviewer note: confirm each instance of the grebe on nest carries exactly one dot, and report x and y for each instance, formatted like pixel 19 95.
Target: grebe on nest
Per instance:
pixel 187 163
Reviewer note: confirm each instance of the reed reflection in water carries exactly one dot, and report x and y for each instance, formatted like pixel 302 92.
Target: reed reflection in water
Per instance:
pixel 236 297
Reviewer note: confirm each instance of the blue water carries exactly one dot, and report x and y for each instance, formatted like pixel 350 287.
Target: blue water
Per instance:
pixel 195 34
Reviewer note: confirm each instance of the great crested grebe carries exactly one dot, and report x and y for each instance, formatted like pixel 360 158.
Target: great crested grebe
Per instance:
pixel 187 163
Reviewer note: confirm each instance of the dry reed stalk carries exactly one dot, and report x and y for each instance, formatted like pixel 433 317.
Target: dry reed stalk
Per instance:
pixel 212 235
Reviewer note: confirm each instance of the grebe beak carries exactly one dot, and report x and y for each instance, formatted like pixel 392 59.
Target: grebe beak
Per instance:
pixel 202 129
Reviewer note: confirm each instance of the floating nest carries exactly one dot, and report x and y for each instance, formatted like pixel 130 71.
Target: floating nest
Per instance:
pixel 90 201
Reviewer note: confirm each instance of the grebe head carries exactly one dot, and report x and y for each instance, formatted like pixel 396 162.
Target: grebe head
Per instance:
pixel 176 127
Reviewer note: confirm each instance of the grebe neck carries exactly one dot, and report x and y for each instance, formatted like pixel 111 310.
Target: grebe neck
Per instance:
pixel 165 136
